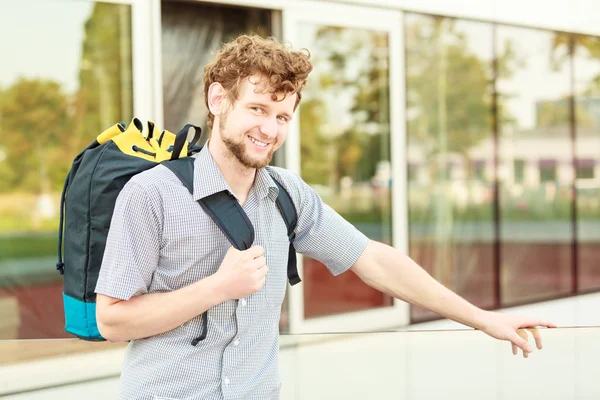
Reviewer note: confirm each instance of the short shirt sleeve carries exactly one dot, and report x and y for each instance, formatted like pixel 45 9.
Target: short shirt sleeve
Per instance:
pixel 133 244
pixel 321 232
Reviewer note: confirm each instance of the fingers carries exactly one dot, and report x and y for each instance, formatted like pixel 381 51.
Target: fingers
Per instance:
pixel 535 332
pixel 255 251
pixel 263 272
pixel 257 263
pixel 519 339
pixel 523 335
pixel 537 336
pixel 251 253
pixel 233 255
pixel 262 281
pixel 533 323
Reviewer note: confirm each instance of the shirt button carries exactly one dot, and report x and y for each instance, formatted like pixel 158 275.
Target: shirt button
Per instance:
pixel 226 381
pixel 244 302
pixel 237 341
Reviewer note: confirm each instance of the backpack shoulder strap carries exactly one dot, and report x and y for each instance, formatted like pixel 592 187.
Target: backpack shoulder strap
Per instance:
pixel 230 217
pixel 183 168
pixel 222 207
pixel 290 216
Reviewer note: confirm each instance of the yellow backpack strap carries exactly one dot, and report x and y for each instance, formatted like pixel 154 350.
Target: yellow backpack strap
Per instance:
pixel 133 143
pixel 110 133
pixel 164 145
pixel 164 148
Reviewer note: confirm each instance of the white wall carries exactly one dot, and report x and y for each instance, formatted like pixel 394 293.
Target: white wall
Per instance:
pixel 571 15
pixel 410 365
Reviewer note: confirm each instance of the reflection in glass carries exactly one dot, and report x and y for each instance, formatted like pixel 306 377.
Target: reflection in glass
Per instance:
pixel 587 159
pixel 450 154
pixel 60 87
pixel 345 153
pixel 191 34
pixel 535 167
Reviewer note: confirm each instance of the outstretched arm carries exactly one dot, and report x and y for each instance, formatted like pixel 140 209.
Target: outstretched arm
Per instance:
pixel 394 273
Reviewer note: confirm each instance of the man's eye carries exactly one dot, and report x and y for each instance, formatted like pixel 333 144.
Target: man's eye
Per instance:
pixel 282 118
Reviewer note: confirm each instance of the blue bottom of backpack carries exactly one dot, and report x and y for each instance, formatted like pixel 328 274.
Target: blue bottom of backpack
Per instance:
pixel 80 319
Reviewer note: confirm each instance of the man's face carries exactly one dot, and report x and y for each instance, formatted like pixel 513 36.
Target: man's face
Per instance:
pixel 256 125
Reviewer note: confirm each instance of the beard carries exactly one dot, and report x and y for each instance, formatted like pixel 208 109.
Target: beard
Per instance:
pixel 239 151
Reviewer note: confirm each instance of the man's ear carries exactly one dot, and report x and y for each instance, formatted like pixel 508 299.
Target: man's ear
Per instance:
pixel 217 103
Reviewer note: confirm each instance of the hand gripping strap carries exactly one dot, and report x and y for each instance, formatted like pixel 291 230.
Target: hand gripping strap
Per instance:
pixel 230 217
pixel 223 209
pixel 227 213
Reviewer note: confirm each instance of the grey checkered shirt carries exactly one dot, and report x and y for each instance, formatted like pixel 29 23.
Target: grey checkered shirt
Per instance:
pixel 161 240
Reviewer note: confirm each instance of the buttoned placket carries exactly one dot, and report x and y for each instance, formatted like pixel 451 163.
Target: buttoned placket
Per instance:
pixel 251 205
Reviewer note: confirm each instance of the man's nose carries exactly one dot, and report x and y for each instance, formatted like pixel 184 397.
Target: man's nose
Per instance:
pixel 269 128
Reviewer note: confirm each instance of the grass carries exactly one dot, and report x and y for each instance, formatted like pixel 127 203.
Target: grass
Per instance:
pixel 28 246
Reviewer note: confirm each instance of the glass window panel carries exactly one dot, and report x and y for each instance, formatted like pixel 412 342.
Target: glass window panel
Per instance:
pixel 587 159
pixel 534 127
pixel 345 152
pixel 519 167
pixel 61 84
pixel 450 143
pixel 191 34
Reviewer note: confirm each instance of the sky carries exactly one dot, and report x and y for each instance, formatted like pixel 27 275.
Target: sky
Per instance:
pixel 535 81
pixel 55 53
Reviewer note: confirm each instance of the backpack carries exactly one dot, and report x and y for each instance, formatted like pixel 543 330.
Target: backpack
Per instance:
pixel 97 176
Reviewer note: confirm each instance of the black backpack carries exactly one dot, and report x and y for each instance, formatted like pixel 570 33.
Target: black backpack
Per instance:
pixel 91 188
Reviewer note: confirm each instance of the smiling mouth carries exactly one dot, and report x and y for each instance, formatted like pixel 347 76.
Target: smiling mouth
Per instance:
pixel 258 142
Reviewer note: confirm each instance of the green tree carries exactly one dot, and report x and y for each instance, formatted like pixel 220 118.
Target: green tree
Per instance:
pixel 558 113
pixel 358 70
pixel 35 124
pixel 313 144
pixel 449 112
pixel 566 45
pixel 449 93
pixel 105 76
pixel 44 128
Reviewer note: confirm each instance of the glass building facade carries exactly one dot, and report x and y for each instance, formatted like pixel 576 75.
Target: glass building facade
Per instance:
pixel 496 182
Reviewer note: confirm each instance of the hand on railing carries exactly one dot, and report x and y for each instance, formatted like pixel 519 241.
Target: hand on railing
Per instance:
pixel 514 329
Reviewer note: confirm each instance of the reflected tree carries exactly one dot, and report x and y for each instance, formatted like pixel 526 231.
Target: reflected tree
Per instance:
pixel 449 113
pixel 35 125
pixel 105 81
pixel 314 143
pixel 43 127
pixel 353 71
pixel 449 94
pixel 564 46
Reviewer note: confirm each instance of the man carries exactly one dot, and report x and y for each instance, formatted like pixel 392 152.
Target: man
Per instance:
pixel 166 262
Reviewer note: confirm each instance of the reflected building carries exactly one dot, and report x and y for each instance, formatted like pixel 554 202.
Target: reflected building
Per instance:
pixel 469 139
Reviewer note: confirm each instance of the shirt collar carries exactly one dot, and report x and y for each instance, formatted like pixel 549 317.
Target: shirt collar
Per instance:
pixel 209 180
pixel 264 185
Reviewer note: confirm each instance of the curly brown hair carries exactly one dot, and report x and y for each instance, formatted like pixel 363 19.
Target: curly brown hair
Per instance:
pixel 286 70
